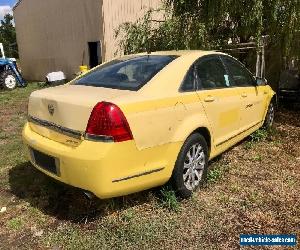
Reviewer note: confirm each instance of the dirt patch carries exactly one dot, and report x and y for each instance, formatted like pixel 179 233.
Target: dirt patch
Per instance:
pixel 8 114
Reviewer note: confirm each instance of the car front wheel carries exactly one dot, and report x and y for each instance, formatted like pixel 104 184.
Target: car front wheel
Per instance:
pixel 190 170
pixel 269 120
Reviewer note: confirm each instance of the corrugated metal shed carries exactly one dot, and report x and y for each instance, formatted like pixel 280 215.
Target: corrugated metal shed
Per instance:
pixel 54 35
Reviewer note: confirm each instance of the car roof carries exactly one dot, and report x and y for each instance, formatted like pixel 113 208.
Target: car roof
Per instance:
pixel 183 52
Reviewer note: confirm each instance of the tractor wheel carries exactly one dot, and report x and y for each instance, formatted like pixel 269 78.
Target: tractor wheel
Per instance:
pixel 8 80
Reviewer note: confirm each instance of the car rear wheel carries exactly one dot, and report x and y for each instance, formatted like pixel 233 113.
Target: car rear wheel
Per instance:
pixel 8 80
pixel 190 170
pixel 269 120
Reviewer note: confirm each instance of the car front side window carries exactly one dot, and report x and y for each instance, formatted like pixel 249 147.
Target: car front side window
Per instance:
pixel 240 76
pixel 211 74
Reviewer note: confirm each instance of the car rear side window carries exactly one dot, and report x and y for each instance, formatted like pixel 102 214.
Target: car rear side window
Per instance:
pixel 211 74
pixel 188 83
pixel 240 76
pixel 129 74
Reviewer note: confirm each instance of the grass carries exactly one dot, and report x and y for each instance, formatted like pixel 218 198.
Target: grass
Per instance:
pixel 252 188
pixel 169 199
pixel 259 135
pixel 15 223
pixel 216 174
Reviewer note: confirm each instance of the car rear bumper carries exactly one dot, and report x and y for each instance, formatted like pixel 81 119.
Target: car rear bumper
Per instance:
pixel 105 169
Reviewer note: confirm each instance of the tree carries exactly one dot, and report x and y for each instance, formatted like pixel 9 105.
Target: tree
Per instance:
pixel 196 24
pixel 209 24
pixel 8 36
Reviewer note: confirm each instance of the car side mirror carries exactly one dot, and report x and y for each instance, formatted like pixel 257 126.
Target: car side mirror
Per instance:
pixel 261 81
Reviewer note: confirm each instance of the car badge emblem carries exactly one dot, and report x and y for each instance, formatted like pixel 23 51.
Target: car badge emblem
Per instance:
pixel 51 109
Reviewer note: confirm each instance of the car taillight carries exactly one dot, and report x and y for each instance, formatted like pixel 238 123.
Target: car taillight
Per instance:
pixel 108 122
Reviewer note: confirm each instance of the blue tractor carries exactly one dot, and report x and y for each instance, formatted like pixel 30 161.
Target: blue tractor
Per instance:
pixel 10 76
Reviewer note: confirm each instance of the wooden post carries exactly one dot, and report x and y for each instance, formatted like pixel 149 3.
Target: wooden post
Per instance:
pixel 263 64
pixel 257 73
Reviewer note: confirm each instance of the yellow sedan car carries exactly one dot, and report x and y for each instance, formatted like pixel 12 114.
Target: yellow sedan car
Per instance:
pixel 142 120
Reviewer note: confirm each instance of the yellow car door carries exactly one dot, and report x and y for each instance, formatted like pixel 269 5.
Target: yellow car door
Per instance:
pixel 221 102
pixel 252 96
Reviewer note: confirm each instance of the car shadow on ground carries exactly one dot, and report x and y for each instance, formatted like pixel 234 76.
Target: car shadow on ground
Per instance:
pixel 65 202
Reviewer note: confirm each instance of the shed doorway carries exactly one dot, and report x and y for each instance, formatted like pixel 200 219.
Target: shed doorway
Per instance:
pixel 95 54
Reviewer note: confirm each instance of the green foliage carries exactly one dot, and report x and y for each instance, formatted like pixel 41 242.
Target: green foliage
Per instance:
pixel 257 158
pixel 175 32
pixel 15 223
pixel 169 199
pixel 8 36
pixel 215 174
pixel 259 135
pixel 194 24
pixel 128 215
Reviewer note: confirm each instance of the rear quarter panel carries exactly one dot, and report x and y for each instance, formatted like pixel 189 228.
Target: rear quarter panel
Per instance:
pixel 158 122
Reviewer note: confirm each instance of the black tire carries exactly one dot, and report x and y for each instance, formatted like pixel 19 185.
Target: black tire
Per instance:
pixel 269 119
pixel 8 80
pixel 177 179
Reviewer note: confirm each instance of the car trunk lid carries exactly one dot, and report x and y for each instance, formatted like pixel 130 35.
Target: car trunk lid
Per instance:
pixel 62 113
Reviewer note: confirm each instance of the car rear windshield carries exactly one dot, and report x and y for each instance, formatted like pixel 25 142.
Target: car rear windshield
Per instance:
pixel 127 74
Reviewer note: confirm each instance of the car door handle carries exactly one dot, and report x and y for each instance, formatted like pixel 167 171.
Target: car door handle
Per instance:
pixel 244 95
pixel 265 92
pixel 209 99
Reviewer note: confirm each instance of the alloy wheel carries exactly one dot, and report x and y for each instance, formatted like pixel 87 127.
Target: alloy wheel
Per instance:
pixel 193 166
pixel 271 115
